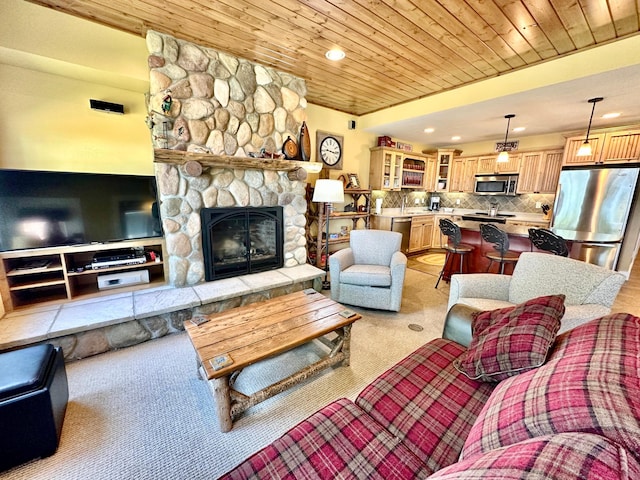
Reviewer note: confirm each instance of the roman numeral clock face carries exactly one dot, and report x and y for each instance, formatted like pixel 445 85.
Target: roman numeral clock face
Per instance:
pixel 330 150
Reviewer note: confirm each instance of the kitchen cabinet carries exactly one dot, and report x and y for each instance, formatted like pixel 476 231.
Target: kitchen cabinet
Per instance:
pixel 573 144
pixel 444 161
pixel 413 170
pixel 470 171
pixel 430 174
pixel 392 169
pixel 385 167
pixel 620 146
pixel 539 172
pixel 463 171
pixel 421 233
pixel 456 175
pixel 489 165
pixel 53 274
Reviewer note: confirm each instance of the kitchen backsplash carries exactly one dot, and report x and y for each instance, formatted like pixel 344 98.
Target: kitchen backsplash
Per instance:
pixel 519 203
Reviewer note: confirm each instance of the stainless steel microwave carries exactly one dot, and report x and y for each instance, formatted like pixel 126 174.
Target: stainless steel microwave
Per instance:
pixel 496 184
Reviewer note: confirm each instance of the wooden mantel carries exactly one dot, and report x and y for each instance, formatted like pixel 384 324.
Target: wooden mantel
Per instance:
pixel 178 157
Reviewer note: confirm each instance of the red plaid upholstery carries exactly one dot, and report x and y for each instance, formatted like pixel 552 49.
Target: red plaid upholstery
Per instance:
pixel 339 441
pixel 563 456
pixel 511 340
pixel 589 384
pixel 425 402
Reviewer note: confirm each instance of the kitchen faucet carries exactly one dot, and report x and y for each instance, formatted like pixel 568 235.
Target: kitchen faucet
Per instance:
pixel 403 204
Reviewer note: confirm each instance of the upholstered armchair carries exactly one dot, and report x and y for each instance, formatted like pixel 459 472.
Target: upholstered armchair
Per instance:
pixel 590 290
pixel 370 272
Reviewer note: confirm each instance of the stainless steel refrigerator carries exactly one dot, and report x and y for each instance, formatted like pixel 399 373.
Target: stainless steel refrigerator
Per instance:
pixel 592 204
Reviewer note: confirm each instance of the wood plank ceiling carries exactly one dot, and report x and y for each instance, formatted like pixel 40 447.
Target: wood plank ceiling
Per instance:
pixel 397 50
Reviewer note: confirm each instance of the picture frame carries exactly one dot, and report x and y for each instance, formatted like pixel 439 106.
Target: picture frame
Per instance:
pixel 353 181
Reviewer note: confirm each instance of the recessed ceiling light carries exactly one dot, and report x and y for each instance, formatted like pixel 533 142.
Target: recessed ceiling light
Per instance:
pixel 456 138
pixel 519 129
pixel 611 115
pixel 335 54
pixel 429 130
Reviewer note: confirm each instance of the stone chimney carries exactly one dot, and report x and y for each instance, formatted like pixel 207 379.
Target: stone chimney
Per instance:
pixel 205 101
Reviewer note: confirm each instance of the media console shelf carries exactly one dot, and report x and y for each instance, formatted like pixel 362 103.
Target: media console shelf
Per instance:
pixel 54 274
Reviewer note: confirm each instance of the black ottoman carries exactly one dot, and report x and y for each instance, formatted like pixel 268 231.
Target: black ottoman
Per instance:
pixel 33 401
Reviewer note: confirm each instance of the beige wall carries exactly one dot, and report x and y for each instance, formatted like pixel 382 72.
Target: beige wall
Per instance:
pixel 46 124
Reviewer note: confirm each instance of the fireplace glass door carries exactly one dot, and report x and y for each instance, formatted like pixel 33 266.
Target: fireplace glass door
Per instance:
pixel 241 240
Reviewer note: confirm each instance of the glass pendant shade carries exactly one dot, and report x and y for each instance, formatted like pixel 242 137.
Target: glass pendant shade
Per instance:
pixel 503 157
pixel 585 150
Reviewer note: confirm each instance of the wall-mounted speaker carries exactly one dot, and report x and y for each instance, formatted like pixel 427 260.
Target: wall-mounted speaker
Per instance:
pixel 352 124
pixel 106 106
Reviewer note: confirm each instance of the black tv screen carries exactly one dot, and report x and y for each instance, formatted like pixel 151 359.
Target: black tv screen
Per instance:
pixel 45 209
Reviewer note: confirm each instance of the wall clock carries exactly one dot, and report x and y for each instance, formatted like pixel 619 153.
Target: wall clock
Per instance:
pixel 330 149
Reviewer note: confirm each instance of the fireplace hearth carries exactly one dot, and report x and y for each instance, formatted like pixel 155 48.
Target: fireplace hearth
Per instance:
pixel 241 240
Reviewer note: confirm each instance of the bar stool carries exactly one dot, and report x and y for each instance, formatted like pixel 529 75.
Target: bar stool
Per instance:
pixel 548 241
pixel 454 247
pixel 500 240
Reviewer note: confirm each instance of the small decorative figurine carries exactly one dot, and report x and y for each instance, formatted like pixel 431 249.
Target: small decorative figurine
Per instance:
pixel 166 103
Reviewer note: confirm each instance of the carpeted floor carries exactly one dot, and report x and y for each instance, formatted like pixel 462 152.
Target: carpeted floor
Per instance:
pixel 142 412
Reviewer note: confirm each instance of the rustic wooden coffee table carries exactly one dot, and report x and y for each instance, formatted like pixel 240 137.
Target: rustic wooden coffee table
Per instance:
pixel 237 338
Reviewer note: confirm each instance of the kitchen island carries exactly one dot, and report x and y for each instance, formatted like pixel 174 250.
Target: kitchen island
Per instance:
pixel 425 231
pixel 519 242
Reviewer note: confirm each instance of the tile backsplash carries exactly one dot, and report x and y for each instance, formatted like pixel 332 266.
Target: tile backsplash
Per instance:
pixel 520 203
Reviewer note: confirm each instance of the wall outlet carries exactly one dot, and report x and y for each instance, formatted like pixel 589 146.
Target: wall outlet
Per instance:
pixel 457 201
pixel 538 204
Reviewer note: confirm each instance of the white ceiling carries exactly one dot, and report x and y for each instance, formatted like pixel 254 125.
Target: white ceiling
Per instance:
pixel 558 108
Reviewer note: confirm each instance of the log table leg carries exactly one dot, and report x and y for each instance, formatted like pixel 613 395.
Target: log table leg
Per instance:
pixel 346 345
pixel 222 396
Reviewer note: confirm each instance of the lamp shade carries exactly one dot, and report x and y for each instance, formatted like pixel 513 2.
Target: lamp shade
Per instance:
pixel 503 157
pixel 328 191
pixel 584 150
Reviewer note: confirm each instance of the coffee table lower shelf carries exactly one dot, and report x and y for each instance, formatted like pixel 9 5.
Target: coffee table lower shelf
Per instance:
pixel 261 330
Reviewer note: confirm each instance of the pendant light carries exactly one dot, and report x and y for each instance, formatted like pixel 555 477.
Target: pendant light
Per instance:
pixel 504 155
pixel 585 148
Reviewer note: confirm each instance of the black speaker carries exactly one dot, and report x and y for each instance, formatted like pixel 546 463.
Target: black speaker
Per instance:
pixel 106 106
pixel 352 124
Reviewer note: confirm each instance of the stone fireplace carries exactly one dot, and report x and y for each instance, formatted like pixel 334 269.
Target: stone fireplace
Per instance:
pixel 239 241
pixel 206 102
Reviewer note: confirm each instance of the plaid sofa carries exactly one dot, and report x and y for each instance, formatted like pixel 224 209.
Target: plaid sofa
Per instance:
pixel 575 417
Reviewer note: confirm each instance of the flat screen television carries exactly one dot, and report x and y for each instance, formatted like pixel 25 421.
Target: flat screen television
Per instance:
pixel 46 209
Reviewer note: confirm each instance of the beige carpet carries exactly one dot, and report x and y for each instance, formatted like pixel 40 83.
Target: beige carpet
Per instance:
pixel 142 412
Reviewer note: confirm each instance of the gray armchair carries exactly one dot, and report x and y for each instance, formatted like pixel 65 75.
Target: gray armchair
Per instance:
pixel 590 290
pixel 370 272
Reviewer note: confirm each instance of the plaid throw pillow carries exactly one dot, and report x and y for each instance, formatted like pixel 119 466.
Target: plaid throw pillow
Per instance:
pixel 511 340
pixel 567 456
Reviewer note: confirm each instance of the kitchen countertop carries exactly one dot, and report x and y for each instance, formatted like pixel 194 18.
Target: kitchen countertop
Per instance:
pixel 520 230
pixel 415 212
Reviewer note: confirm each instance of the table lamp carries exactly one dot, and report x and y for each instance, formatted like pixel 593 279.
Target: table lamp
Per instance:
pixel 327 191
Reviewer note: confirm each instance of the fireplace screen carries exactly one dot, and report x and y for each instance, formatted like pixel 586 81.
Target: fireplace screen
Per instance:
pixel 241 240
